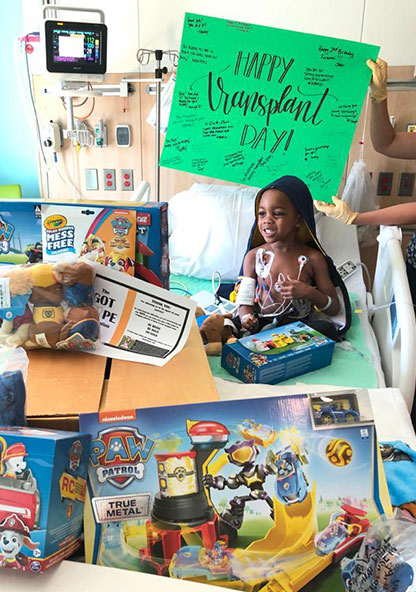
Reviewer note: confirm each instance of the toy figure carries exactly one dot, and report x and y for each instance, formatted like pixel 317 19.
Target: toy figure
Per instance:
pixel 215 330
pixel 291 482
pixel 13 462
pixel 34 254
pixel 118 260
pixel 13 535
pixel 17 317
pixel 243 454
pixel 94 248
pixel 48 314
pixel 50 304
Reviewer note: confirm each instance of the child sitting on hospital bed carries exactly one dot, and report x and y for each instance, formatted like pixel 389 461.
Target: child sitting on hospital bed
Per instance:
pixel 286 276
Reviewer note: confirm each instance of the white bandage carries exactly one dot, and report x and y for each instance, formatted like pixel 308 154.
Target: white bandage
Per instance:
pixel 246 292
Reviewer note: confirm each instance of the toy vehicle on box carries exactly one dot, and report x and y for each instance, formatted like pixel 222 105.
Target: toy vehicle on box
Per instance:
pixel 291 483
pixel 195 561
pixel 336 413
pixel 260 433
pixel 21 497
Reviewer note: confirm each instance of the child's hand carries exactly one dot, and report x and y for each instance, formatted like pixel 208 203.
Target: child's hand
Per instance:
pixel 291 288
pixel 249 321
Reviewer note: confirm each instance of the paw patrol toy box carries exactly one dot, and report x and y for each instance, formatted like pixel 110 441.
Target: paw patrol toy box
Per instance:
pixel 20 232
pixel 277 354
pixel 129 237
pixel 42 491
pixel 245 494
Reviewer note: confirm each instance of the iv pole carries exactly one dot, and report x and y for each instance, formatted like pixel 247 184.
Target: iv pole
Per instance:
pixel 143 57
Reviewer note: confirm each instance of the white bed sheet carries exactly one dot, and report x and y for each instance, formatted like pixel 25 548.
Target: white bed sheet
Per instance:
pixel 340 241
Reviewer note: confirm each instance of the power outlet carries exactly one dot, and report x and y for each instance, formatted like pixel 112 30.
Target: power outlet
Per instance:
pixel 109 176
pixel 127 180
pixel 384 184
pixel 406 184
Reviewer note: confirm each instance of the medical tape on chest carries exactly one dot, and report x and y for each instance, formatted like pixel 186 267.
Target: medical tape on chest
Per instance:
pixel 246 292
pixel 264 261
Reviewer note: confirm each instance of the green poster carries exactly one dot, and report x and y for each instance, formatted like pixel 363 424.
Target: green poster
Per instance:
pixel 252 103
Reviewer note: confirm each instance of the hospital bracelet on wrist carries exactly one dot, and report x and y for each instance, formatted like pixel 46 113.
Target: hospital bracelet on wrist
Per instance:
pixel 327 305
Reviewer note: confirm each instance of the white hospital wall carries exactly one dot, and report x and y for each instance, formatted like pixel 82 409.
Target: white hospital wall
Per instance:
pixel 381 22
pixel 151 24
pixel 391 24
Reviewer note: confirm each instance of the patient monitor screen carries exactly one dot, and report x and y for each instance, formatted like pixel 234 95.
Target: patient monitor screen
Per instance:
pixel 76 47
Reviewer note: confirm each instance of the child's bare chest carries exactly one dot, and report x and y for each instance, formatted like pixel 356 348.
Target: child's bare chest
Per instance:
pixel 280 266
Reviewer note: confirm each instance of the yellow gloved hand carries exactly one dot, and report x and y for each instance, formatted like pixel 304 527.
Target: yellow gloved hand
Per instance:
pixel 339 210
pixel 378 83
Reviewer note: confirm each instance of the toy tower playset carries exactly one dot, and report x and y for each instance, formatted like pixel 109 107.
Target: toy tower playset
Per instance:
pixel 239 494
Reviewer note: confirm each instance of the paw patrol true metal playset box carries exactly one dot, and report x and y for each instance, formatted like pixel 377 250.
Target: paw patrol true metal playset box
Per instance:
pixel 277 354
pixel 239 494
pixel 43 477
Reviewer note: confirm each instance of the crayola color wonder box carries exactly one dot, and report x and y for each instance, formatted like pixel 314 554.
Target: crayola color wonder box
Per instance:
pixel 43 477
pixel 245 494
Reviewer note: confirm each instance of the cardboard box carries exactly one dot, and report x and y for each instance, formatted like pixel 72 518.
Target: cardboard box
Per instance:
pixel 43 485
pixel 231 493
pixel 61 385
pixel 20 232
pixel 277 354
pixel 71 227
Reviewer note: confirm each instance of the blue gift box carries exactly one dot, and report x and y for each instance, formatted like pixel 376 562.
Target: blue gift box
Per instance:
pixel 43 482
pixel 21 234
pixel 277 354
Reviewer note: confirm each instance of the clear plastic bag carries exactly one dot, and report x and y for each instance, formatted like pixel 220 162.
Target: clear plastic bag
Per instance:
pixel 48 305
pixel 386 560
pixel 359 193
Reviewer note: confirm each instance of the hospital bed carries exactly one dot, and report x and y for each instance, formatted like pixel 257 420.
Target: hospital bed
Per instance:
pixel 379 350
pixel 388 319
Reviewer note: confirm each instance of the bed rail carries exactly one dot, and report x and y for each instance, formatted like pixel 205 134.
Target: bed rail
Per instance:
pixel 394 318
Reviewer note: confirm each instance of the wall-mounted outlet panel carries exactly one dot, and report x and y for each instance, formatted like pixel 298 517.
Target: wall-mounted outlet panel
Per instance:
pixel 406 184
pixel 109 176
pixel 384 184
pixel 91 179
pixel 127 180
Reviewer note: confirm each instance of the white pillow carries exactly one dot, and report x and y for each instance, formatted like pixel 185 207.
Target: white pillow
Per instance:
pixel 209 226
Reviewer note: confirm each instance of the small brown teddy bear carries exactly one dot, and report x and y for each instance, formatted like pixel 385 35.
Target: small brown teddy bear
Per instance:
pixel 216 330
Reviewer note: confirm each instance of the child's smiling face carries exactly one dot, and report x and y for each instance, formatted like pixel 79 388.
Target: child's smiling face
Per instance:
pixel 277 217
